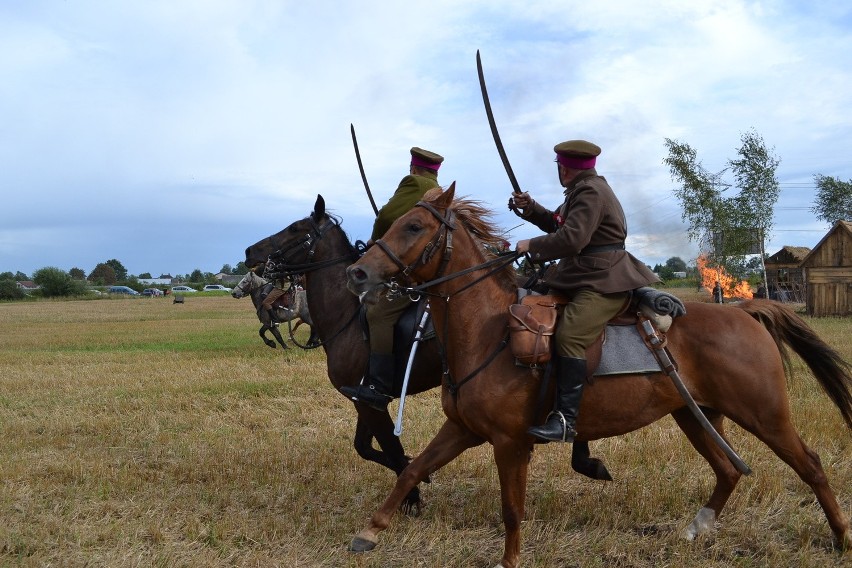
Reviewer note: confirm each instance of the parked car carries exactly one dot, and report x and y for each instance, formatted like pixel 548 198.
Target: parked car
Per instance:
pixel 123 290
pixel 182 289
pixel 216 288
pixel 152 292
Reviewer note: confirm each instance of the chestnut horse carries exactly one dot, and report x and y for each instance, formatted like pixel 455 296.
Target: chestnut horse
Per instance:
pixel 317 247
pixel 496 400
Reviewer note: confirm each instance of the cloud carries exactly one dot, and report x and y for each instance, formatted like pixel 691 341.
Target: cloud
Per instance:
pixel 204 126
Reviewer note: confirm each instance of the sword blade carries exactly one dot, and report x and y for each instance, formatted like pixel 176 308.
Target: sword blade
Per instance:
pixel 493 125
pixel 361 169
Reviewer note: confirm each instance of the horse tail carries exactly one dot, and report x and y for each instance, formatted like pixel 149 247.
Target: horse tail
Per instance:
pixel 789 330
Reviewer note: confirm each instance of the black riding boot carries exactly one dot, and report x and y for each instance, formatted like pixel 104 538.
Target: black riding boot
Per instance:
pixel 561 423
pixel 375 389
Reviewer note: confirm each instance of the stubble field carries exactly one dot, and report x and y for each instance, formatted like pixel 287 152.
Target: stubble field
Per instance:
pixel 138 432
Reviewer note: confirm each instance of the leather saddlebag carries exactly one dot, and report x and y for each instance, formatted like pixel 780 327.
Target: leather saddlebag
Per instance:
pixel 531 327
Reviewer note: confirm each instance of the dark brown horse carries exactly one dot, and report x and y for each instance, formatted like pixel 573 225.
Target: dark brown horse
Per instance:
pixel 318 247
pixel 498 403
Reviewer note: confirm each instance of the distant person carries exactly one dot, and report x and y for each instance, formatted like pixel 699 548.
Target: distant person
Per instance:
pixel 761 291
pixel 279 288
pixel 718 296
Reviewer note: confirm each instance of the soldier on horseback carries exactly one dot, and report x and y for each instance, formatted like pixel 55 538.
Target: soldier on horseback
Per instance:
pixel 378 380
pixel 586 233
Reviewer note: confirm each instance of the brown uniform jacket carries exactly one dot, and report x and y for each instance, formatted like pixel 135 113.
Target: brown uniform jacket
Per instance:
pixel 590 216
pixel 406 196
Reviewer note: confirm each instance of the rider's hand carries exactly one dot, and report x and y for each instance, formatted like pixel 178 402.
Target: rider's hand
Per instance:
pixel 523 246
pixel 522 200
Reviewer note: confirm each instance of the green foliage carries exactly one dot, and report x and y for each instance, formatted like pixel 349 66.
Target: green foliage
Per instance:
pixel 56 282
pixel 737 220
pixel 120 271
pixel 145 275
pixel 103 275
pixel 196 276
pixel 9 289
pixel 77 273
pixel 240 268
pixel 833 201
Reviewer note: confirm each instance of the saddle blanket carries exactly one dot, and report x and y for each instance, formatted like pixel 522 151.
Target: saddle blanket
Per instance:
pixel 624 352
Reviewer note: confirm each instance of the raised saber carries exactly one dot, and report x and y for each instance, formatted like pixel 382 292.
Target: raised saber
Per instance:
pixel 361 168
pixel 417 337
pixel 493 125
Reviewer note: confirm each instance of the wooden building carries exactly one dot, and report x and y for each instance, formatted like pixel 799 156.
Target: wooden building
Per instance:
pixel 785 279
pixel 828 273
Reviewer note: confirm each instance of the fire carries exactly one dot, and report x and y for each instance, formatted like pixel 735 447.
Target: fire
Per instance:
pixel 731 287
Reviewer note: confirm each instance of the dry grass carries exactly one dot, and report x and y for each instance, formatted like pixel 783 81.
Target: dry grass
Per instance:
pixel 141 433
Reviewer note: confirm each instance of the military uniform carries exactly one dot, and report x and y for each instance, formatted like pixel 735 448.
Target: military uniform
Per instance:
pixel 586 233
pixel 382 316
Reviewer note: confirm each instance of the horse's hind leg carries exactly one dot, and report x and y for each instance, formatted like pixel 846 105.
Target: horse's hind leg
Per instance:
pixel 450 441
pixel 727 475
pixel 262 333
pixel 783 439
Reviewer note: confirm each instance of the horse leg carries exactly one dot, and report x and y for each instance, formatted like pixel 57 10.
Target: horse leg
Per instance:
pixel 373 423
pixel 585 465
pixel 262 333
pixel 777 431
pixel 450 441
pixel 727 475
pixel 512 459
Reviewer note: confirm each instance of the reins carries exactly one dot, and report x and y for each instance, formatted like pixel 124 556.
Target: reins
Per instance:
pixel 279 264
pixel 494 265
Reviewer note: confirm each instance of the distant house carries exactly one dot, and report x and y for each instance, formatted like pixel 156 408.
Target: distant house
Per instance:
pixel 828 273
pixel 27 285
pixel 226 278
pixel 784 277
pixel 156 281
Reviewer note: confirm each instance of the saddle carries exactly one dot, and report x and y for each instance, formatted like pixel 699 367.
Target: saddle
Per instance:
pixel 404 331
pixel 532 323
pixel 285 301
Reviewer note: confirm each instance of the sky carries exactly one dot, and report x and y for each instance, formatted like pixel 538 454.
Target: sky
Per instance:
pixel 170 135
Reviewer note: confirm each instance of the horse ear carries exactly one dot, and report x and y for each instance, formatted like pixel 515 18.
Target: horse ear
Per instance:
pixel 319 208
pixel 444 200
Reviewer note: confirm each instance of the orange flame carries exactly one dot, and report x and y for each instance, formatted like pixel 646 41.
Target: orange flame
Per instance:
pixel 731 287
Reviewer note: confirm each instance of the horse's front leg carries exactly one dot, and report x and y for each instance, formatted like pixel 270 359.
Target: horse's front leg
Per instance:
pixel 512 457
pixel 450 441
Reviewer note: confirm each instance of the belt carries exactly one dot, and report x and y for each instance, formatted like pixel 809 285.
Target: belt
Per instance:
pixel 602 248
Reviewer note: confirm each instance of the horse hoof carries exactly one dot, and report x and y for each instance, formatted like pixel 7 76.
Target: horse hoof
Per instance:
pixel 361 545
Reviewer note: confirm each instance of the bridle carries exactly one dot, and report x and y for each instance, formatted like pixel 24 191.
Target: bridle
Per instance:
pixel 444 234
pixel 283 263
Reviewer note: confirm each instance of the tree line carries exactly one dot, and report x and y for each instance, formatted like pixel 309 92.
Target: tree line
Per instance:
pixel 55 282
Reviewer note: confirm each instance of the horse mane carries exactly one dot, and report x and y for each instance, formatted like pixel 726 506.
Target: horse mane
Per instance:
pixel 478 219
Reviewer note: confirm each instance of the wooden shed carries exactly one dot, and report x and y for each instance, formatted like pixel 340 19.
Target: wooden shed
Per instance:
pixel 784 276
pixel 828 273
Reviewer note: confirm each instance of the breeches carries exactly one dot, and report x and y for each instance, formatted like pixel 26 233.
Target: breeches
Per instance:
pixel 584 319
pixel 273 295
pixel 381 318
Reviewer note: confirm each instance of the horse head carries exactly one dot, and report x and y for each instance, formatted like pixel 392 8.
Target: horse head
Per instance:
pixel 410 247
pixel 250 281
pixel 296 243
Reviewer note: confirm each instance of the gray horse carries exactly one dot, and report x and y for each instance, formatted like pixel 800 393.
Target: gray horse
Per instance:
pixel 254 286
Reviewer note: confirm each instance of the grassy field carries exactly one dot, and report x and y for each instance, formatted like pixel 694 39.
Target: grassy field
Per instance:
pixel 137 432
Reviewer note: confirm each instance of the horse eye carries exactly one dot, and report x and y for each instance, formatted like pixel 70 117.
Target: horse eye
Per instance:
pixel 414 228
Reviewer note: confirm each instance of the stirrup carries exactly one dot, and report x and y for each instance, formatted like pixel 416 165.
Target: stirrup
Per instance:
pixel 565 429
